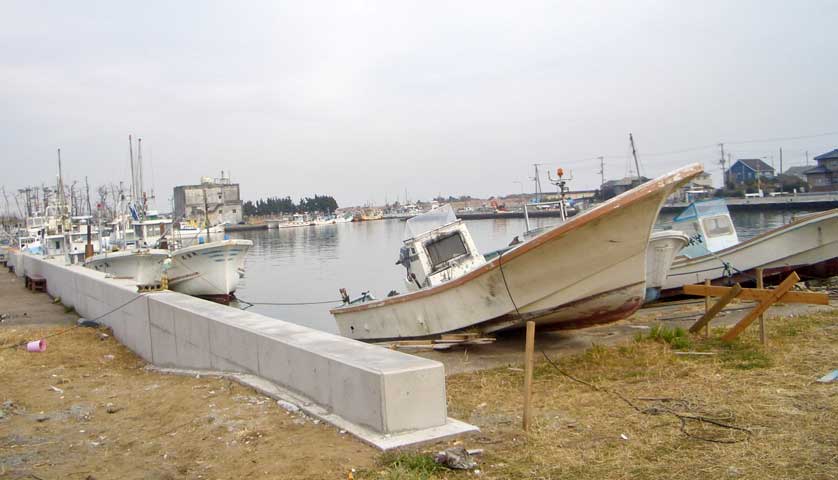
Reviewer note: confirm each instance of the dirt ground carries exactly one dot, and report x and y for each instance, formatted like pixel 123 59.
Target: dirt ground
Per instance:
pixel 89 408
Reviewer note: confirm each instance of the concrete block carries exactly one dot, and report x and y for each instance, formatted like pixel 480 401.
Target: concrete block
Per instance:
pixel 233 349
pixel 192 340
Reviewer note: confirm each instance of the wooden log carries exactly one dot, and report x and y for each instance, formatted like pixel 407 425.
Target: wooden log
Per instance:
pixel 813 298
pixel 777 294
pixel 716 308
pixel 529 347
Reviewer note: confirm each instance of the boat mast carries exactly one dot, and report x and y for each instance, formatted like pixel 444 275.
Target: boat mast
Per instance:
pixel 634 154
pixel 206 213
pixel 131 160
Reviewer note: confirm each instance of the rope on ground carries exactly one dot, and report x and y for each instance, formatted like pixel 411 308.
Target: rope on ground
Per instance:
pixel 286 304
pixel 77 325
pixel 662 407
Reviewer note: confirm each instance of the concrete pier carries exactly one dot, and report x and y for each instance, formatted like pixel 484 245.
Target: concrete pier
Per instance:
pixel 386 398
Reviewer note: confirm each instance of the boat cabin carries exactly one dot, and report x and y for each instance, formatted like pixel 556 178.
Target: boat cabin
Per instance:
pixel 709 226
pixel 437 248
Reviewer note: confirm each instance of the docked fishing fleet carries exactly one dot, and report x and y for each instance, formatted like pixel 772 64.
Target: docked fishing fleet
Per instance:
pixel 139 244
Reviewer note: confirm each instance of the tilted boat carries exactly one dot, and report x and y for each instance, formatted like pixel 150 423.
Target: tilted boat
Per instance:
pixel 210 269
pixel 587 271
pixel 807 245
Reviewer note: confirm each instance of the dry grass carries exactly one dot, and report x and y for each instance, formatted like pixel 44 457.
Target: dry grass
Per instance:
pixel 578 430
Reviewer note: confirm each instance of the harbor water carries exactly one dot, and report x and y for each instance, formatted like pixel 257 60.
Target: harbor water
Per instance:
pixel 310 264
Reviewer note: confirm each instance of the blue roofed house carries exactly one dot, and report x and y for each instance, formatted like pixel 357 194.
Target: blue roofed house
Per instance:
pixel 824 177
pixel 745 170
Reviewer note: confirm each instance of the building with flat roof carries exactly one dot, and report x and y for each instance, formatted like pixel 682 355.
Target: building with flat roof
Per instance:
pixel 215 198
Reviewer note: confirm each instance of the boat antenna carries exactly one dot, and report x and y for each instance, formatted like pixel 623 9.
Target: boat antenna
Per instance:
pixel 131 160
pixel 634 154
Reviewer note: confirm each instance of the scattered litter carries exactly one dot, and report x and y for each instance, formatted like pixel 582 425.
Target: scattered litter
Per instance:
pixel 109 357
pixel 102 336
pixel 624 436
pixel 456 458
pixel 41 417
pixel 343 432
pixel 829 377
pixel 288 406
pixel 515 369
pixel 640 327
pixel 36 346
pixel 111 408
pixel 474 451
pixel 56 389
pixel 83 322
pixel 481 405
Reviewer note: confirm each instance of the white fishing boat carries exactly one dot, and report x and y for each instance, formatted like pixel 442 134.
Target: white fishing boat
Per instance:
pixel 144 266
pixel 210 269
pixel 807 245
pixel 663 247
pixel 587 271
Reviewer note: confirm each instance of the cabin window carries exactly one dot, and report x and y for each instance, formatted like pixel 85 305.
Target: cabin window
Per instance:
pixel 717 226
pixel 445 248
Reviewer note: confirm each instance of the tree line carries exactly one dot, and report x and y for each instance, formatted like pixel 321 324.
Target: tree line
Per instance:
pixel 286 206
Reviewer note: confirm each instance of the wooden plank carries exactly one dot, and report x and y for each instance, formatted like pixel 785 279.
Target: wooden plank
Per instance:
pixel 528 365
pixel 706 309
pixel 777 293
pixel 813 298
pixel 716 308
pixel 761 285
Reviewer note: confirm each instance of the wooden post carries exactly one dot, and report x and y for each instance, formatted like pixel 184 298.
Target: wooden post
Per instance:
pixel 761 317
pixel 717 307
pixel 707 308
pixel 528 365
pixel 776 294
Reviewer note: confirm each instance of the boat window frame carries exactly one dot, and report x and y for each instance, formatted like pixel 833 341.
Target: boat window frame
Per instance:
pixel 716 232
pixel 446 263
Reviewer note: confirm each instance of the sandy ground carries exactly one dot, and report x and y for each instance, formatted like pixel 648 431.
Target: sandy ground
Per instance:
pixel 89 408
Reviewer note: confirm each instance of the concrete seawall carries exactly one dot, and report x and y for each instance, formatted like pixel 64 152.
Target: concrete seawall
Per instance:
pixel 385 397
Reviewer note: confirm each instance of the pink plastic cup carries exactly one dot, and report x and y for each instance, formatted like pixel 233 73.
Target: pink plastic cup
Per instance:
pixel 36 346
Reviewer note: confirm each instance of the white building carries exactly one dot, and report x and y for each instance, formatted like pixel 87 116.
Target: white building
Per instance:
pixel 218 196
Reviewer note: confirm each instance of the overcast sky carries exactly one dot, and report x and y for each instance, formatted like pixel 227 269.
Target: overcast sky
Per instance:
pixel 364 100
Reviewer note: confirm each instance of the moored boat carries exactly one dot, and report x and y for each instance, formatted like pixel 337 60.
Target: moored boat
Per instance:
pixel 210 269
pixel 807 245
pixel 144 266
pixel 588 270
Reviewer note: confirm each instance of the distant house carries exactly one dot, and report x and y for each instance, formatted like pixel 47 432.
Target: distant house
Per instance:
pixel 612 188
pixel 799 172
pixel 745 170
pixel 699 187
pixel 824 177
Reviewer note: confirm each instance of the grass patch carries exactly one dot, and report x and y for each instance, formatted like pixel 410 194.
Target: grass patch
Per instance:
pixel 676 337
pixel 407 466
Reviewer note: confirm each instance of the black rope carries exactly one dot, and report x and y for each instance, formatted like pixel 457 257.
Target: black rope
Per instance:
pixel 285 304
pixel 503 275
pixel 78 325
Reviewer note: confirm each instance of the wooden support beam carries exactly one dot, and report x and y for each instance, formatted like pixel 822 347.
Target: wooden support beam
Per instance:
pixel 528 366
pixel 716 308
pixel 776 295
pixel 761 285
pixel 756 294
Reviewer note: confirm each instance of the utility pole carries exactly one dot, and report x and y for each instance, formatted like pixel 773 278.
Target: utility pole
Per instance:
pixel 807 158
pixel 781 170
pixel 537 180
pixel 722 163
pixel 87 190
pixel 729 165
pixel 601 170
pixel 634 154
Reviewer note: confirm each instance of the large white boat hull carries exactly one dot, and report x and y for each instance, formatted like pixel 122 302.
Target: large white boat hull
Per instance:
pixel 145 266
pixel 661 252
pixel 210 269
pixel 809 245
pixel 589 270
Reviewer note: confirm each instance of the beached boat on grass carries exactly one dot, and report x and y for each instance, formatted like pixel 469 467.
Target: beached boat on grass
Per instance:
pixel 807 245
pixel 587 271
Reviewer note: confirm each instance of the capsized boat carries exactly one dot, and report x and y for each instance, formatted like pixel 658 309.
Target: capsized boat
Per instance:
pixel 210 269
pixel 807 245
pixel 589 270
pixel 143 265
